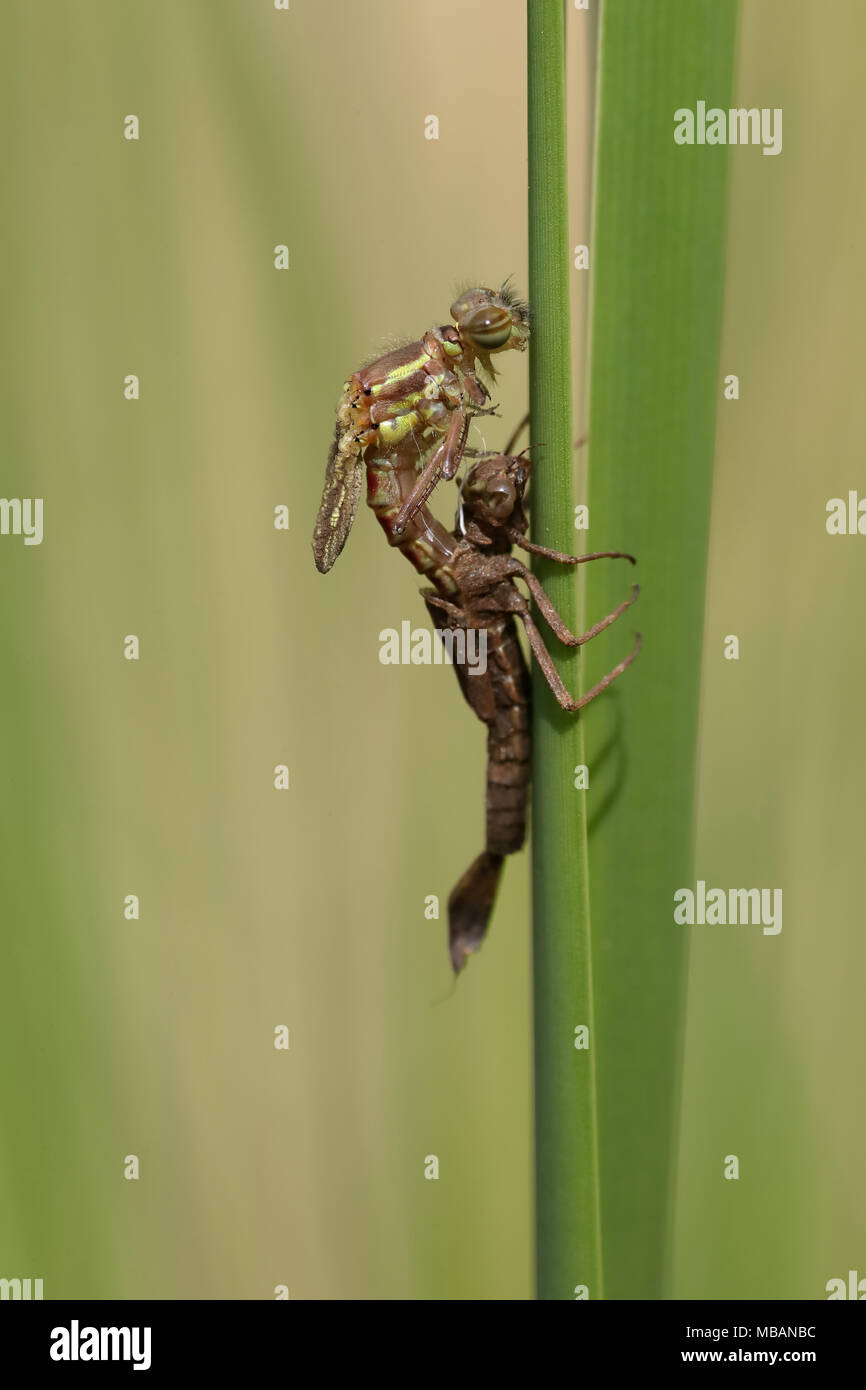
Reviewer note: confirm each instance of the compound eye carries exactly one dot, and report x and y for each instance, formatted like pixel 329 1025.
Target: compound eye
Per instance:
pixel 488 328
pixel 500 499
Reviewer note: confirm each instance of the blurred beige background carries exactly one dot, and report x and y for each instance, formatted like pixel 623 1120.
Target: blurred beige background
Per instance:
pixel 306 907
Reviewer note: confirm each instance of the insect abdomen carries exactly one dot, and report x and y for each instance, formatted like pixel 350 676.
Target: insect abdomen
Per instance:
pixel 509 749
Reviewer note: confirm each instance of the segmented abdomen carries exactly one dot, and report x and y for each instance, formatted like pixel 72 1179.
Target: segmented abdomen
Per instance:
pixel 508 739
pixel 501 699
pixel 425 542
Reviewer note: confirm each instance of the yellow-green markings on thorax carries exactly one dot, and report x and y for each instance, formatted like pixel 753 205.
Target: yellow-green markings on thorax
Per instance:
pixel 406 417
pixel 397 373
pixel 393 431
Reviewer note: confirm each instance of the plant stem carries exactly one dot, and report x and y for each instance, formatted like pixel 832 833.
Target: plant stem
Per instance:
pixel 568 1203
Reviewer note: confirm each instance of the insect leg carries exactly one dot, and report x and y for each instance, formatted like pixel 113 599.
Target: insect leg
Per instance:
pixel 501 567
pixel 475 389
pixel 558 626
pixel 559 556
pixel 506 566
pixel 443 462
pixel 434 600
pixel 553 678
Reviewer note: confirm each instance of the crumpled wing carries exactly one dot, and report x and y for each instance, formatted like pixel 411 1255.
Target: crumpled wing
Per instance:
pixel 344 478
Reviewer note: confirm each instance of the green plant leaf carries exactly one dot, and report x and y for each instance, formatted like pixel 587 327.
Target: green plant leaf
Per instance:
pixel 658 265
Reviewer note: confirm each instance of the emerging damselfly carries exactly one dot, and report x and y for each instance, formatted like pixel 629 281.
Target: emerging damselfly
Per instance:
pixel 388 420
pixel 418 401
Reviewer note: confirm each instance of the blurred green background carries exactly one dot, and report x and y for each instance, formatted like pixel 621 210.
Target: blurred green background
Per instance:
pixel 306 907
